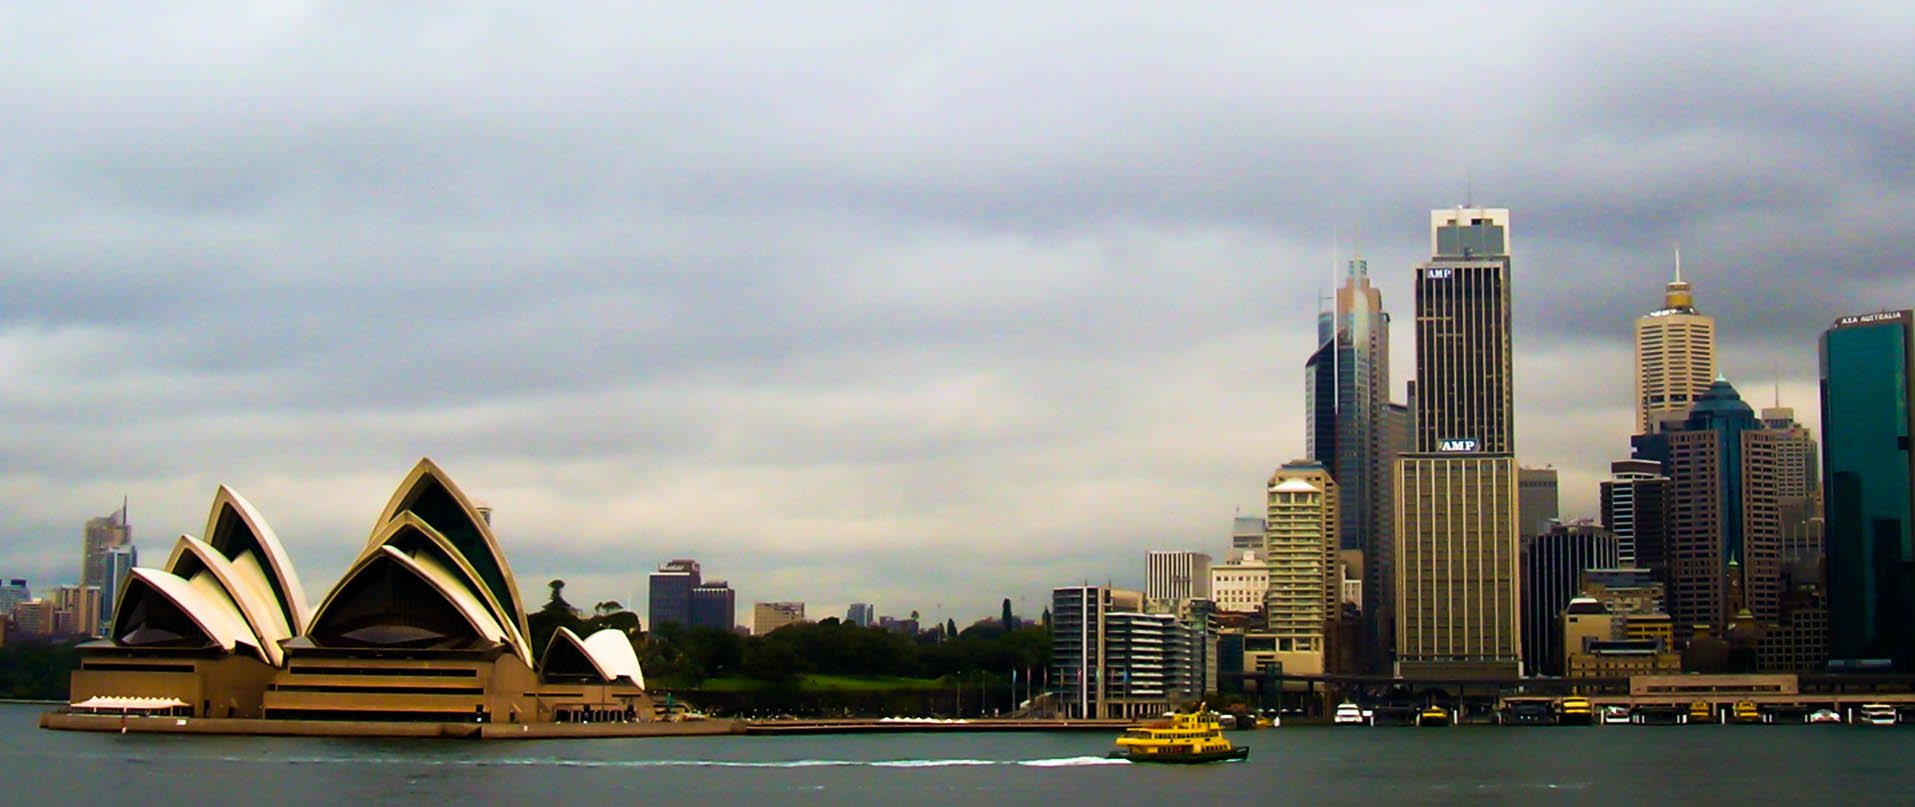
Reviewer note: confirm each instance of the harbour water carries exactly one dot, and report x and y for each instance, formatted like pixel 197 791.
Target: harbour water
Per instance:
pixel 1609 765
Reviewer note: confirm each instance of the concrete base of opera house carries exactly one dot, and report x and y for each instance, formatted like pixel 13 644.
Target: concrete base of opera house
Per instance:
pixel 68 721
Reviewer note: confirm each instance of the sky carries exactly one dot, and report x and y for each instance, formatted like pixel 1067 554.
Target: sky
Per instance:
pixel 919 304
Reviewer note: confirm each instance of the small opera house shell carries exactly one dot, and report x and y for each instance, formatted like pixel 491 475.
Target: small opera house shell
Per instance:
pixel 426 625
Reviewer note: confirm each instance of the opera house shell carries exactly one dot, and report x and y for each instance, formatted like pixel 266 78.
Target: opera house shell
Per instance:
pixel 427 624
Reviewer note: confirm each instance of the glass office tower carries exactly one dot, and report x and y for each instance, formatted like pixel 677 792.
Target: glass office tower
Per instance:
pixel 1867 475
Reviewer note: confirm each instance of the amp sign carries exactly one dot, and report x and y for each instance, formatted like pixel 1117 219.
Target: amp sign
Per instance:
pixel 1457 445
pixel 1438 274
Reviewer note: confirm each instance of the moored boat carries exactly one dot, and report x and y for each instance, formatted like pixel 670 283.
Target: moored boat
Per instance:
pixel 1349 714
pixel 1824 716
pixel 1186 739
pixel 1575 711
pixel 1433 716
pixel 1876 714
pixel 1615 714
pixel 1701 712
pixel 1745 712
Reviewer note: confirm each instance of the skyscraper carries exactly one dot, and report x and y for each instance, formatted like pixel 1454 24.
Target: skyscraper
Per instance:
pixel 1456 561
pixel 669 598
pixel 861 614
pixel 1347 388
pixel 1675 356
pixel 1635 507
pixel 714 605
pixel 102 533
pixel 1868 473
pixel 1305 586
pixel 1537 502
pixel 1729 477
pixel 120 561
pixel 1553 566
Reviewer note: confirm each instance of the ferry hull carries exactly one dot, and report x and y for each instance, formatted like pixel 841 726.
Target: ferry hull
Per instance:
pixel 1239 753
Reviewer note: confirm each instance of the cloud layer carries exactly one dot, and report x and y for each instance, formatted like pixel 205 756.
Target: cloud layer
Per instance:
pixel 919 305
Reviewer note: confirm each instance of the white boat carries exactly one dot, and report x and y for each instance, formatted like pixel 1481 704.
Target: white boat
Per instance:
pixel 1876 714
pixel 1615 715
pixel 1825 716
pixel 1349 714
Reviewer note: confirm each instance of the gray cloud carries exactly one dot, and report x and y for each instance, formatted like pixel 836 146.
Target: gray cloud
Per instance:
pixel 921 306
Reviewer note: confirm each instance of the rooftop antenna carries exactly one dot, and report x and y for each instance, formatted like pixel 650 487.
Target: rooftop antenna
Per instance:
pixel 1775 366
pixel 1678 263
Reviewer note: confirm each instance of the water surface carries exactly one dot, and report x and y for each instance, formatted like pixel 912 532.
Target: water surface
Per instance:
pixel 1616 765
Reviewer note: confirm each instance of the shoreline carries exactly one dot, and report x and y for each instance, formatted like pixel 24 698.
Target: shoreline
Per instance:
pixel 67 721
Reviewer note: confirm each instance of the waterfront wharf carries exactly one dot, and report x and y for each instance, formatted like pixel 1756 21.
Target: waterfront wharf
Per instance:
pixel 910 725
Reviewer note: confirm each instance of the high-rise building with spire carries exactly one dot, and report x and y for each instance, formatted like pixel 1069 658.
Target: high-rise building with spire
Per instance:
pixel 1347 389
pixel 1675 356
pixel 102 534
pixel 1457 600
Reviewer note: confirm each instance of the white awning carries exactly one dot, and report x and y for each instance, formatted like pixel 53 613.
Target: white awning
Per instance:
pixel 127 702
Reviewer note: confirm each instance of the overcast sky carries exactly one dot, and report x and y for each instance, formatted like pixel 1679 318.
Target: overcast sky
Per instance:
pixel 919 304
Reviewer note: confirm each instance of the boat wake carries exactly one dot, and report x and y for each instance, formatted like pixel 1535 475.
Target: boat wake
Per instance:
pixel 530 762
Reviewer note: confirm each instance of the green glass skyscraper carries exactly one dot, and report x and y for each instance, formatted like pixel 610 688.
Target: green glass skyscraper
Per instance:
pixel 1869 481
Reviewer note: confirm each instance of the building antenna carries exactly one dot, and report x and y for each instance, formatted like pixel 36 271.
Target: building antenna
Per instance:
pixel 1678 263
pixel 1775 366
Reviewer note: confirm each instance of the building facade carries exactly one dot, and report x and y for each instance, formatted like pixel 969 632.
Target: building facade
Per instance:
pixel 1537 500
pixel 669 593
pixel 1238 584
pixel 1456 579
pixel 770 616
pixel 102 534
pixel 1111 660
pixel 120 561
pixel 1172 576
pixel 714 605
pixel 1305 585
pixel 1635 507
pixel 1868 473
pixel 1675 357
pixel 1553 567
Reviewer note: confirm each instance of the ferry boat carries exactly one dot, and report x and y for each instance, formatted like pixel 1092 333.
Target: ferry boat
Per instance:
pixel 1824 716
pixel 1575 711
pixel 1433 716
pixel 1877 714
pixel 1701 712
pixel 1349 714
pixel 1615 714
pixel 1745 712
pixel 1187 739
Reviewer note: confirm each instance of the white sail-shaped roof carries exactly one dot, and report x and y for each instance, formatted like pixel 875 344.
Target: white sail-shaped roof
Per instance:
pixel 198 562
pixel 236 529
pixel 412 535
pixel 430 493
pixel 218 619
pixel 609 651
pixel 439 577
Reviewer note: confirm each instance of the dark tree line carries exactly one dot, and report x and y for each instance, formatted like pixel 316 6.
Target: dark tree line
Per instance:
pixel 832 647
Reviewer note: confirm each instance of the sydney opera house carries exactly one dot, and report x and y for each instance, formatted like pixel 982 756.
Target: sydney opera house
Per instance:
pixel 427 625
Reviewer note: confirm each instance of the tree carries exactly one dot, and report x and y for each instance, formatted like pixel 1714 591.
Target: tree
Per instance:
pixel 950 629
pixel 1010 622
pixel 556 613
